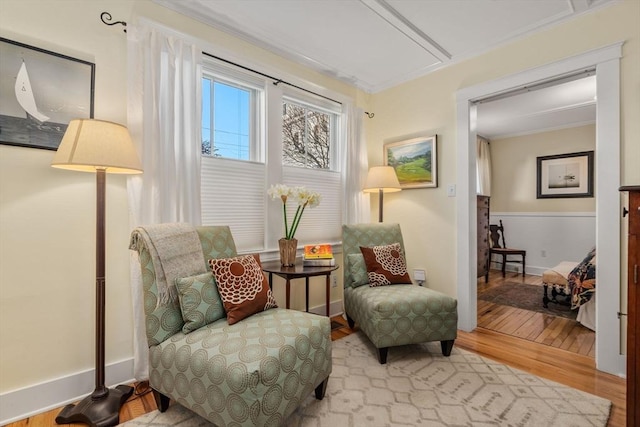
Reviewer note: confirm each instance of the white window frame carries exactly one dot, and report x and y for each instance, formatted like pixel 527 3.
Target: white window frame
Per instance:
pixel 330 108
pixel 268 127
pixel 225 74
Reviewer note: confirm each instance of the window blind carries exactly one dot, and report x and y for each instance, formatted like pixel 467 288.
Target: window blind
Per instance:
pixel 233 194
pixel 324 222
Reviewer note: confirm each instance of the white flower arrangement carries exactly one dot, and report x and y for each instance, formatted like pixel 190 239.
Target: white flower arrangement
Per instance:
pixel 302 196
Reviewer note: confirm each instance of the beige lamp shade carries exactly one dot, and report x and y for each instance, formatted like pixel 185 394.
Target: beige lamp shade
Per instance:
pixel 382 178
pixel 90 144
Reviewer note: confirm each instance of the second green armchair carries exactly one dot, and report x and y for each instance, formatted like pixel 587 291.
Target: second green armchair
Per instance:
pixel 397 314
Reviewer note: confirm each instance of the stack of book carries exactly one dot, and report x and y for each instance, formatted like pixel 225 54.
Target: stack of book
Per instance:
pixel 318 256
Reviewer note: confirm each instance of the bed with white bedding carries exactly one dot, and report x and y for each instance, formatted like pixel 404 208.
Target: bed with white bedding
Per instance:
pixel 573 283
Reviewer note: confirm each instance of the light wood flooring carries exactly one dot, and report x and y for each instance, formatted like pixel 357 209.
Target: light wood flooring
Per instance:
pixel 556 364
pixel 546 329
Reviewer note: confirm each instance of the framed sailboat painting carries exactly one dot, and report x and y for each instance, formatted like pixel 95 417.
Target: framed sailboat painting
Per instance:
pixel 40 92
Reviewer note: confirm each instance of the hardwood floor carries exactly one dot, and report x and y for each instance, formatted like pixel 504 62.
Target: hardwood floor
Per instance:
pixel 556 364
pixel 541 328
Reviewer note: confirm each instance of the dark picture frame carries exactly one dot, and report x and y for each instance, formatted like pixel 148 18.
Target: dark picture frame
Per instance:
pixel 40 92
pixel 415 161
pixel 565 175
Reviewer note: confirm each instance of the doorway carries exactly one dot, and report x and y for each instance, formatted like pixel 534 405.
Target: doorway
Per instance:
pixel 552 117
pixel 606 62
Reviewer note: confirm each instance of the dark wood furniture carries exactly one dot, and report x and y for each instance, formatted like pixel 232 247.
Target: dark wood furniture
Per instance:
pixel 501 249
pixel 633 307
pixel 299 271
pixel 483 237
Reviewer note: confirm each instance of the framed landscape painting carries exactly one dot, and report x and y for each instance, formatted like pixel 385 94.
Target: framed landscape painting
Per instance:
pixel 414 160
pixel 565 175
pixel 40 92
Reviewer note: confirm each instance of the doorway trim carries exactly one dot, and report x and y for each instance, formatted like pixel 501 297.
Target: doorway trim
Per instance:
pixel 606 61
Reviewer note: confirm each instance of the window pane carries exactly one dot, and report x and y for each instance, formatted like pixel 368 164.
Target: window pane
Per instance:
pixel 206 116
pixel 306 137
pixel 226 113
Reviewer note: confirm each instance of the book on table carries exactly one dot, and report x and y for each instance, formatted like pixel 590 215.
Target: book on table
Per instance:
pixel 319 262
pixel 318 251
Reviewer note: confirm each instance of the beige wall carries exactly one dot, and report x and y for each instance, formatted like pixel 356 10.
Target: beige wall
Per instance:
pixel 47 216
pixel 514 170
pixel 426 106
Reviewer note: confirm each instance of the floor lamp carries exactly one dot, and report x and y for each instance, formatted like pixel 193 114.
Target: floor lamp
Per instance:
pixel 102 147
pixel 381 179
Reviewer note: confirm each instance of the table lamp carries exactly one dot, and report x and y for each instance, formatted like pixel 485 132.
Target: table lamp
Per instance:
pixel 102 147
pixel 381 179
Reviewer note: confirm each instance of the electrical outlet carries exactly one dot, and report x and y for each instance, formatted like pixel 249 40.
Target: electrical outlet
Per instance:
pixel 334 281
pixel 419 275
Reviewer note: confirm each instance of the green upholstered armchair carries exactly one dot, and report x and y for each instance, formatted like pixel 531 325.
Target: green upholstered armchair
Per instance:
pixel 392 315
pixel 255 372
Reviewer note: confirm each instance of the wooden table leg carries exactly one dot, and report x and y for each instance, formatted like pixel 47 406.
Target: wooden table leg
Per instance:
pixel 288 292
pixel 328 292
pixel 306 295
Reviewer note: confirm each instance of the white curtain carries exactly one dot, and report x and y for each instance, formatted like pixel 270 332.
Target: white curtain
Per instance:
pixel 483 167
pixel 355 167
pixel 164 118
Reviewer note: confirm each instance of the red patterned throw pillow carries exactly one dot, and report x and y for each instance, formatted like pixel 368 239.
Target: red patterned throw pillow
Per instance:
pixel 385 265
pixel 242 285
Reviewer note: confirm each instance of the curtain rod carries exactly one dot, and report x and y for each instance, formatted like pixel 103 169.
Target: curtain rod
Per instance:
pixel 107 19
pixel 277 80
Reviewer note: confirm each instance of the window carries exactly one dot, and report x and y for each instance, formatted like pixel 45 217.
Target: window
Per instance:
pixel 306 136
pixel 309 147
pixel 241 159
pixel 229 111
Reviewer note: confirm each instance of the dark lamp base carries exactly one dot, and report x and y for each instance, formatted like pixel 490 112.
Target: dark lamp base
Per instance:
pixel 101 412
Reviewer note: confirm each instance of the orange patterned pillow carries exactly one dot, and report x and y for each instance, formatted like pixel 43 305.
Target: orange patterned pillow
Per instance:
pixel 385 265
pixel 242 285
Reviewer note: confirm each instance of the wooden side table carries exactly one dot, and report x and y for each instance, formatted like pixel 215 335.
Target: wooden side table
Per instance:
pixel 299 271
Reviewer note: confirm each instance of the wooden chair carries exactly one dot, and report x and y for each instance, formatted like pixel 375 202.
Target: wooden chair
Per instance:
pixel 497 235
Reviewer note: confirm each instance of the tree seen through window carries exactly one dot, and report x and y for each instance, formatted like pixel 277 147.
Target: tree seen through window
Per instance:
pixel 306 138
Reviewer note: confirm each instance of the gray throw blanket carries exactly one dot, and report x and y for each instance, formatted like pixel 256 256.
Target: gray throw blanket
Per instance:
pixel 175 251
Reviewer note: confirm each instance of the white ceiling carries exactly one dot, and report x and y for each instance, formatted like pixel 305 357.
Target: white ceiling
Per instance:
pixel 558 106
pixel 377 44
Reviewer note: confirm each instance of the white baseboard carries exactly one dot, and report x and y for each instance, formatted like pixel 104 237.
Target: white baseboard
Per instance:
pixel 335 309
pixel 514 267
pixel 28 401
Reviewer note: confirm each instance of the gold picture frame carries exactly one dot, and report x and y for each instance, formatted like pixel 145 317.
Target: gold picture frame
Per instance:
pixel 415 161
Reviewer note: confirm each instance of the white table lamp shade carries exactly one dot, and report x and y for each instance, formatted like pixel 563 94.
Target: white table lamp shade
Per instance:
pixel 90 144
pixel 382 178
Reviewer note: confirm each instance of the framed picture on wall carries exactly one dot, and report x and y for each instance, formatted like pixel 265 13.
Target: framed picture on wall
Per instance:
pixel 40 92
pixel 414 160
pixel 565 175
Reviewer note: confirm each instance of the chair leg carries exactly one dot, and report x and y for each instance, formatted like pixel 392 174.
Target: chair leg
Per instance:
pixel 322 389
pixel 382 355
pixel 446 347
pixel 486 272
pixel 545 297
pixel 162 401
pixel 350 321
pixel 504 264
pixel 524 264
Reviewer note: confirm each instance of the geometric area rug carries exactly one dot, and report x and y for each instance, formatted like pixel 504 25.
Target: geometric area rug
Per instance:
pixel 420 387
